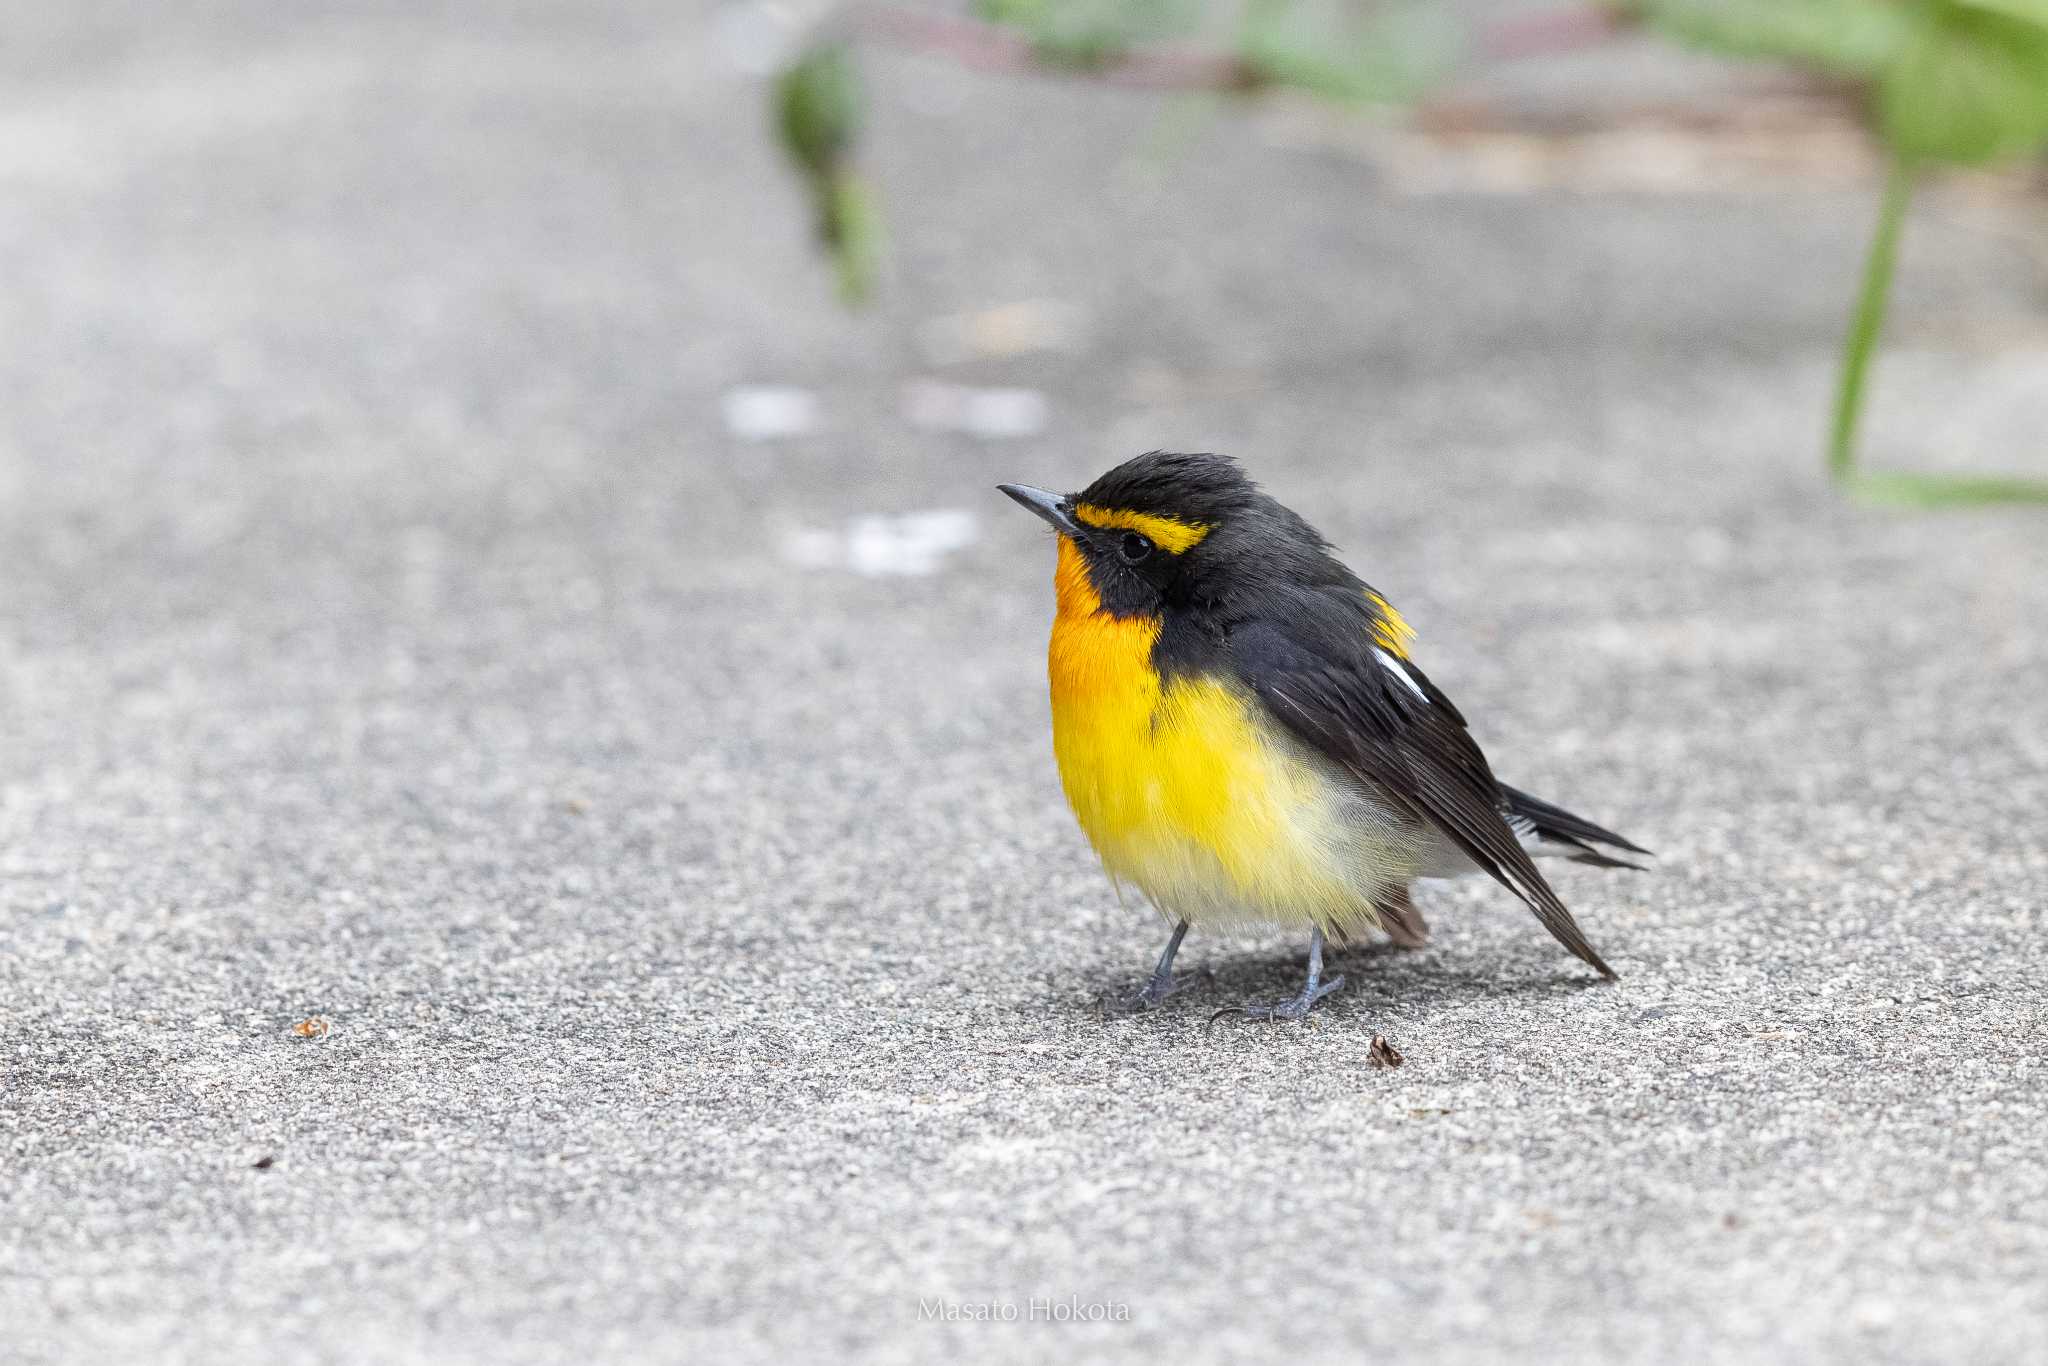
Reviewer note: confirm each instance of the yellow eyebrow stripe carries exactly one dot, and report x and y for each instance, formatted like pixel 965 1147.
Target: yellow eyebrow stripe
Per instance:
pixel 1392 631
pixel 1168 533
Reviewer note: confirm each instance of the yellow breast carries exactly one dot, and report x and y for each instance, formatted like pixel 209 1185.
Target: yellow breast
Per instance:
pixel 1187 791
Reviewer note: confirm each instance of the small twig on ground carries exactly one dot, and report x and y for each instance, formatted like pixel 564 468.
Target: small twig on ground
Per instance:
pixel 1566 29
pixel 985 46
pixel 992 47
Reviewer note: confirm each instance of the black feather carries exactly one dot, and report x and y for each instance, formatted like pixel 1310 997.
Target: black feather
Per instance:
pixel 1558 823
pixel 1559 826
pixel 1312 662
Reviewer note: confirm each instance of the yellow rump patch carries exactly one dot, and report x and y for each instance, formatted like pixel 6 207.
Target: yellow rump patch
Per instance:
pixel 1168 533
pixel 1392 631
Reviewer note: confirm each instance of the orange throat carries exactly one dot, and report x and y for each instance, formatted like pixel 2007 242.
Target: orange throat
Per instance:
pixel 1097 660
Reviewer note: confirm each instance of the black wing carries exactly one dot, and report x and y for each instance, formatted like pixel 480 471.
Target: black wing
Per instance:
pixel 1556 825
pixel 1314 664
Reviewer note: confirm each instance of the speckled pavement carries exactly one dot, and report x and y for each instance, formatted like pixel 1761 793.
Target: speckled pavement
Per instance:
pixel 694 957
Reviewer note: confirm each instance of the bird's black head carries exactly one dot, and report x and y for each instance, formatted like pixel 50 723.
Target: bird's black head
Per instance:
pixel 1168 533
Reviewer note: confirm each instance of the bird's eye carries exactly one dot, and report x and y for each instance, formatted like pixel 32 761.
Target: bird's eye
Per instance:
pixel 1133 547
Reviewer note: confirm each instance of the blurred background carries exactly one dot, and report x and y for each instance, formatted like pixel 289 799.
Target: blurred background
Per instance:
pixel 526 817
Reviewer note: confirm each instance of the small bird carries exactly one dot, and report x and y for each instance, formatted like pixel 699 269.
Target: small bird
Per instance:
pixel 1244 738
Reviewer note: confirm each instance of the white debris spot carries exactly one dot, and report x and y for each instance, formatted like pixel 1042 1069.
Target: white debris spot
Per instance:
pixel 1012 329
pixel 911 544
pixel 988 413
pixel 768 412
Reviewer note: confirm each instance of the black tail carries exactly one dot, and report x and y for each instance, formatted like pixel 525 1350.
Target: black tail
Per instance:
pixel 1559 826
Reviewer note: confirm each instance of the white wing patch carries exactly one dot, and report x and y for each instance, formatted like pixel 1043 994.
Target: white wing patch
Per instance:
pixel 1393 666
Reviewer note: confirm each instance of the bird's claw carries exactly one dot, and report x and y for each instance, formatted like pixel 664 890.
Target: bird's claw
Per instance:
pixel 1153 994
pixel 1294 1009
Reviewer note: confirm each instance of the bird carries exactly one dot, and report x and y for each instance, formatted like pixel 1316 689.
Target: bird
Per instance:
pixel 1246 739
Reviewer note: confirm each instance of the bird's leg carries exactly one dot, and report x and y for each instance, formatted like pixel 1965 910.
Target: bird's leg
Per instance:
pixel 1313 990
pixel 1161 984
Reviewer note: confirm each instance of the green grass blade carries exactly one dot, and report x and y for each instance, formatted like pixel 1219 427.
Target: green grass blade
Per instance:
pixel 855 232
pixel 1947 490
pixel 1868 320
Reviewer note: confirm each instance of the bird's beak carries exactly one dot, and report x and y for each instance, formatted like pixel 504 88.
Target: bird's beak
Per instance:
pixel 1053 507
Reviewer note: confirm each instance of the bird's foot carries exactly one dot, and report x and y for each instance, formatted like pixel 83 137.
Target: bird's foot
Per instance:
pixel 1152 994
pixel 1293 1009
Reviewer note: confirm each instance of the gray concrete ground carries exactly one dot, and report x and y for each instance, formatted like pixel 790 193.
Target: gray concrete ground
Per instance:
pixel 394 634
